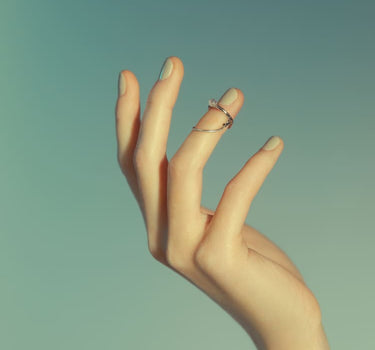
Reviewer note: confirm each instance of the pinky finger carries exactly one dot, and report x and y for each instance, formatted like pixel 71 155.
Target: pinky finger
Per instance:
pixel 127 126
pixel 232 210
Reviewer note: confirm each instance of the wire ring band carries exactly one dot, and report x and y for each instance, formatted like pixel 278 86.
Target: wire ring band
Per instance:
pixel 213 103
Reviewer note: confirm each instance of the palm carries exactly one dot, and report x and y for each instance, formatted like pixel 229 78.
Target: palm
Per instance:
pixel 255 240
pixel 262 282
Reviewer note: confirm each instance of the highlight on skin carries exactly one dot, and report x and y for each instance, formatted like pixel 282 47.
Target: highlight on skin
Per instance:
pixel 238 267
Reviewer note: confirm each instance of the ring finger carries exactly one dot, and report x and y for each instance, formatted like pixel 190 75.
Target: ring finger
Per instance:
pixel 185 169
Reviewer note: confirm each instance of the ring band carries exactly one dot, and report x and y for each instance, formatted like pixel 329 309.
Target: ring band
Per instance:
pixel 213 103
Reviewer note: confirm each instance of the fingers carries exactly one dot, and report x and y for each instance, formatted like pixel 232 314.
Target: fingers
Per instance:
pixel 157 116
pixel 141 145
pixel 186 167
pixel 127 125
pixel 235 202
pixel 150 160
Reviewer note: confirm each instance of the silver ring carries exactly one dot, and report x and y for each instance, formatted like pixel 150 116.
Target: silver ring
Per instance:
pixel 213 103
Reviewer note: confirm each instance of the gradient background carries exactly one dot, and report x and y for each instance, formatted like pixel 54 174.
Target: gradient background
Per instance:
pixel 75 272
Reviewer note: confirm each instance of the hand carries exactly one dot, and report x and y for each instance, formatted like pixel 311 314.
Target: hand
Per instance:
pixel 248 275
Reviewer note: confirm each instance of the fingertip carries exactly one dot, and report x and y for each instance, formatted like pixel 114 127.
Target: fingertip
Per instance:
pixel 177 62
pixel 280 144
pixel 175 70
pixel 128 86
pixel 241 95
pixel 130 77
pixel 273 142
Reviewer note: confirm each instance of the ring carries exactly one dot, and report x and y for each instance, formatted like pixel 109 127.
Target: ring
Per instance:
pixel 213 103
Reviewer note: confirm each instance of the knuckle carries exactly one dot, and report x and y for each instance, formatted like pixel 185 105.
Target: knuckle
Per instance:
pixel 124 164
pixel 233 185
pixel 174 165
pixel 175 259
pixel 237 189
pixel 157 251
pixel 206 259
pixel 175 168
pixel 141 158
pixel 157 255
pixel 215 257
pixel 156 101
pixel 178 166
pixel 138 159
pixel 120 161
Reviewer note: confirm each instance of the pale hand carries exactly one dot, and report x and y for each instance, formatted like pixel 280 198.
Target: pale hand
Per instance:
pixel 248 275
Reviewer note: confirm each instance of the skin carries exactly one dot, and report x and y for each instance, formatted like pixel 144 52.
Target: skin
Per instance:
pixel 238 267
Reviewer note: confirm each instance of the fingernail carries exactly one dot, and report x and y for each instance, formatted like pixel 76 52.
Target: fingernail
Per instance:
pixel 271 143
pixel 121 84
pixel 166 69
pixel 229 96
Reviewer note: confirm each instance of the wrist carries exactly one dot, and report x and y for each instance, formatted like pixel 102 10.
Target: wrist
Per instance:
pixel 316 340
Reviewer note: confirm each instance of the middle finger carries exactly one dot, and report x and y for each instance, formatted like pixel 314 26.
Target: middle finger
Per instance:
pixel 150 158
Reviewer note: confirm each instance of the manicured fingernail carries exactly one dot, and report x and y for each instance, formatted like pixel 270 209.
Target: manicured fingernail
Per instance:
pixel 121 84
pixel 229 96
pixel 271 143
pixel 166 69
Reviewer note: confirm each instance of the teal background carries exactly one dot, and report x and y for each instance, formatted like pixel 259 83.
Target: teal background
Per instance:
pixel 75 272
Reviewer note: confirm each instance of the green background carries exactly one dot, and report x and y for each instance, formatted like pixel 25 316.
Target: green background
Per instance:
pixel 75 271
